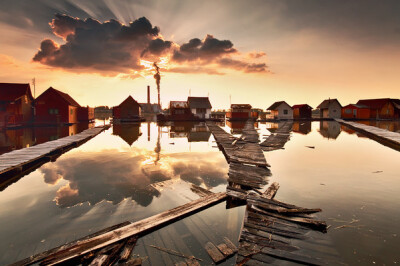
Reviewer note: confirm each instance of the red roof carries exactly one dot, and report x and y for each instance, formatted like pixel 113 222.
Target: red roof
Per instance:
pixel 301 105
pixel 359 106
pixel 374 103
pixel 63 95
pixel 10 92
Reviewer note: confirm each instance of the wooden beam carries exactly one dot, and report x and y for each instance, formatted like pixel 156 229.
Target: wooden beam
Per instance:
pixel 68 251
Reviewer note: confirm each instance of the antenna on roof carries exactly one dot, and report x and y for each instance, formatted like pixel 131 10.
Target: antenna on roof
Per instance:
pixel 34 87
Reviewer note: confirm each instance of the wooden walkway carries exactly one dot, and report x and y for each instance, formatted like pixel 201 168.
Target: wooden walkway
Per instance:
pixel 385 137
pixel 278 139
pixel 18 160
pixel 273 233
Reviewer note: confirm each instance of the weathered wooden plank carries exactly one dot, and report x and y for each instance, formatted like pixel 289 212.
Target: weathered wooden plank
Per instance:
pixel 67 252
pixel 214 253
pixel 128 248
pixel 271 230
pixel 271 206
pixel 230 245
pixel 99 260
pixel 271 191
pixel 225 250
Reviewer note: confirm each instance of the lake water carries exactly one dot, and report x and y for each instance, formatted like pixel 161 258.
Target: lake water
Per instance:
pixel 108 180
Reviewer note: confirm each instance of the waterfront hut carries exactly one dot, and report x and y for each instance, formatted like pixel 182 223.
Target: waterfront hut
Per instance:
pixel 200 107
pixel 302 111
pixel 128 111
pixel 55 107
pixel 179 110
pixel 385 108
pixel 330 108
pixel 16 104
pixel 281 110
pixel 356 111
pixel 239 112
pixel 85 114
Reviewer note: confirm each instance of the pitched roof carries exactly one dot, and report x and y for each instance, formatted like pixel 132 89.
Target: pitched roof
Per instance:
pixel 199 102
pixel 241 106
pixel 63 95
pixel 301 105
pixel 356 105
pixel 130 99
pixel 12 91
pixel 325 104
pixel 276 104
pixel 374 103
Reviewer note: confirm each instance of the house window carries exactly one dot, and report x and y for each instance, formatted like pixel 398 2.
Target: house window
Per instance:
pixel 71 111
pixel 285 112
pixel 53 111
pixel 347 111
pixel 200 110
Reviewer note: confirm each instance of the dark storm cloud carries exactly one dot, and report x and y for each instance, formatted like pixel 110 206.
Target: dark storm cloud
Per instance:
pixel 207 50
pixel 109 46
pixel 157 47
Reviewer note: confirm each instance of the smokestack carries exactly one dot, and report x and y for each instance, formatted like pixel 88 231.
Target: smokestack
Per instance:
pixel 157 77
pixel 148 95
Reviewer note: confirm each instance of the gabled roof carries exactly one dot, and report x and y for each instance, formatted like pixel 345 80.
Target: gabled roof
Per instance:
pixel 199 102
pixel 357 106
pixel 241 106
pixel 63 95
pixel 325 104
pixel 276 104
pixel 301 105
pixel 374 103
pixel 129 100
pixel 10 92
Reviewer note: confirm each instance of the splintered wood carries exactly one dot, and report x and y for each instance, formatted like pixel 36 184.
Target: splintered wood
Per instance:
pixel 221 252
pixel 269 228
pixel 278 139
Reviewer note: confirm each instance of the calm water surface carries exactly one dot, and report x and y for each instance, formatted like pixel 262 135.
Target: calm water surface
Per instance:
pixel 107 180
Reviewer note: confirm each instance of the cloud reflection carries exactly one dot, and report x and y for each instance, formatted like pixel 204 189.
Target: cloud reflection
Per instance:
pixel 114 176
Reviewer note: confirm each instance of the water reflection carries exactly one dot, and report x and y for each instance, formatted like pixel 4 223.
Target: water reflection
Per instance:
pixel 393 126
pixel 302 127
pixel 193 131
pixel 329 129
pixel 25 137
pixel 236 127
pixel 128 132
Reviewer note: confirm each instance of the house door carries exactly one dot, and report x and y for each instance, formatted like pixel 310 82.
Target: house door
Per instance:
pixel 355 113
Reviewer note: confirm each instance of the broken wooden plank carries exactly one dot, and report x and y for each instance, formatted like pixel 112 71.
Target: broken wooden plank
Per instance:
pixel 99 260
pixel 128 248
pixel 78 248
pixel 214 253
pixel 230 245
pixel 271 191
pixel 225 250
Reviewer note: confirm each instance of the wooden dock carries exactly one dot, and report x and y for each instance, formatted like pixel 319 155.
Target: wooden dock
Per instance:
pixel 385 137
pixel 278 139
pixel 19 160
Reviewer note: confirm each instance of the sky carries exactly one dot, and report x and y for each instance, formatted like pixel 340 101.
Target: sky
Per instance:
pixel 253 51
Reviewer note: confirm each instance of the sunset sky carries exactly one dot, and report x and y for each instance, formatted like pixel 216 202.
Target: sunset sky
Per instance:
pixel 300 51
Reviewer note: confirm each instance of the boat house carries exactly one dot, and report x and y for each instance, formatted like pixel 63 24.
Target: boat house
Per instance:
pixel 16 104
pixel 128 111
pixel 302 111
pixel 239 112
pixel 200 107
pixel 356 111
pixel 330 108
pixel 382 108
pixel 54 107
pixel 281 110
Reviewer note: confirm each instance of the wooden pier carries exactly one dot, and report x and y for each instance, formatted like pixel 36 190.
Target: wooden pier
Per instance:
pixel 278 139
pixel 19 160
pixel 385 137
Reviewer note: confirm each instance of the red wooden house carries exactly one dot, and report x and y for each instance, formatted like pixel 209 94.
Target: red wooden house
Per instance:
pixel 239 112
pixel 54 107
pixel 128 111
pixel 356 111
pixel 302 111
pixel 85 114
pixel 382 108
pixel 16 104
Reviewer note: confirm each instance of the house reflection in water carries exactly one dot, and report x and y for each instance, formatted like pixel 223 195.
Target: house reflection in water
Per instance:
pixel 329 129
pixel 237 126
pixel 302 127
pixel 193 131
pixel 25 137
pixel 128 132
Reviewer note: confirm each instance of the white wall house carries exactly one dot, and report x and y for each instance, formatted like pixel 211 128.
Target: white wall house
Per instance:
pixel 330 108
pixel 281 110
pixel 200 107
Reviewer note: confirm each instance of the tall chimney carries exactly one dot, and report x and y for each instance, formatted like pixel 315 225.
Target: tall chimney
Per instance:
pixel 148 95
